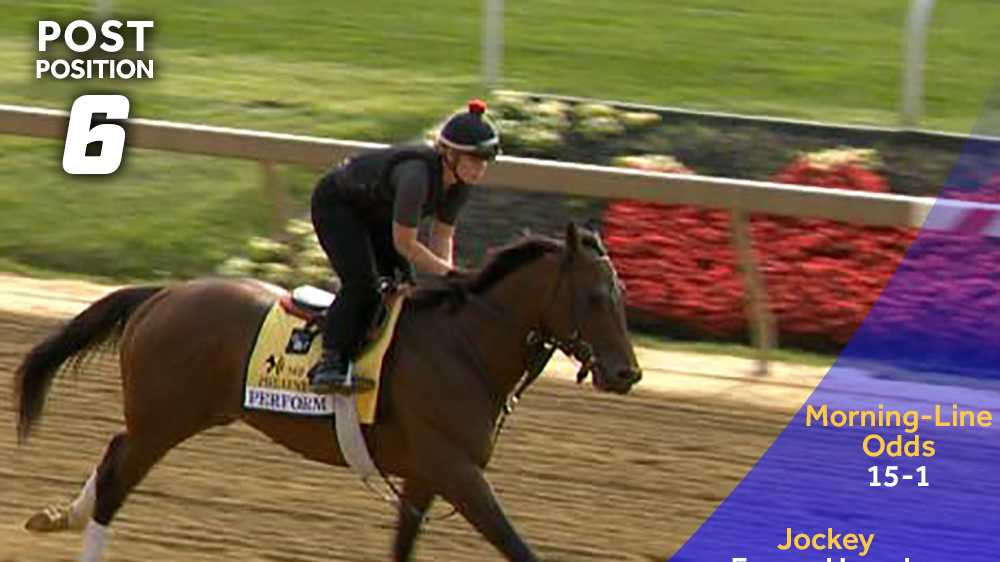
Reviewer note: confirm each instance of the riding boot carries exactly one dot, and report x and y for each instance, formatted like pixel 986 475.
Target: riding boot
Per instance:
pixel 335 374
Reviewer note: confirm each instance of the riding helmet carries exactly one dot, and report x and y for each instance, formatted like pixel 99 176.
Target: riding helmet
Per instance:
pixel 471 132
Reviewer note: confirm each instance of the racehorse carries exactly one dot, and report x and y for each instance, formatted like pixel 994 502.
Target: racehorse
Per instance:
pixel 458 353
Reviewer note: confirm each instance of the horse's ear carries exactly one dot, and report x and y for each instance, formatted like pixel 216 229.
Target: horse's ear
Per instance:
pixel 572 238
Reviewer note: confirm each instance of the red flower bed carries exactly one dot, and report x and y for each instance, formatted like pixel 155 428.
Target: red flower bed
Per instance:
pixel 822 277
pixel 841 176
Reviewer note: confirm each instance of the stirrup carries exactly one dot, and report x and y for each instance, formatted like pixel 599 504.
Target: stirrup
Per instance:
pixel 352 385
pixel 341 383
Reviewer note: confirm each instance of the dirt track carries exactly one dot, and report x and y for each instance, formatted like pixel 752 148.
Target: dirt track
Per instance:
pixel 584 476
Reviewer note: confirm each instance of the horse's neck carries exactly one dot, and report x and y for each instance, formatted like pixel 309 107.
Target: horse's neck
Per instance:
pixel 522 293
pixel 517 305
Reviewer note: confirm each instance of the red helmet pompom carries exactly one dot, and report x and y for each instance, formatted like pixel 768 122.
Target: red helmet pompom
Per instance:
pixel 477 106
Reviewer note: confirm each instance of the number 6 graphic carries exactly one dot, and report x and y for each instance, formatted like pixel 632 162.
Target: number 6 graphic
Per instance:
pixel 79 135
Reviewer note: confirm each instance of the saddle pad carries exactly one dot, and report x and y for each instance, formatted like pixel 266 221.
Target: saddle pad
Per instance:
pixel 285 351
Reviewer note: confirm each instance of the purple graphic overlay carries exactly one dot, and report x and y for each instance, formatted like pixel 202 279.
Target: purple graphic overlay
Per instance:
pixel 896 455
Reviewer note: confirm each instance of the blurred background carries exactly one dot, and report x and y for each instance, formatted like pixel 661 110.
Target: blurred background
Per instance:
pixel 388 71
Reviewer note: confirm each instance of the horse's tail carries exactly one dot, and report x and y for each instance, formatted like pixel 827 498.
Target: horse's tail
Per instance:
pixel 101 322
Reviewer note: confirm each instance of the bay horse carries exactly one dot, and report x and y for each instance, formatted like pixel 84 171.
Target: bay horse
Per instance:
pixel 459 350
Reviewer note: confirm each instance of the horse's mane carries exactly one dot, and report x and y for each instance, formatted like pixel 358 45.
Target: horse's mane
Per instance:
pixel 501 262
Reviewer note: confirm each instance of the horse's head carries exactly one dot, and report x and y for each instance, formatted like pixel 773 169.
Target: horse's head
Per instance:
pixel 586 313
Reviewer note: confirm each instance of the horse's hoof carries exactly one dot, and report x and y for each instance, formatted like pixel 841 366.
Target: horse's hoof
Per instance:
pixel 52 519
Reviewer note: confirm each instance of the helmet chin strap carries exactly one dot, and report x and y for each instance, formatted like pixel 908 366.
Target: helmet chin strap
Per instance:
pixel 453 166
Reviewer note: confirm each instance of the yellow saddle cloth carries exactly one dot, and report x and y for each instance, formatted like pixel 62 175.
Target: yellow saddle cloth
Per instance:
pixel 285 351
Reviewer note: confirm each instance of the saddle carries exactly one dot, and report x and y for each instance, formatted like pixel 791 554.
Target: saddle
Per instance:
pixel 311 303
pixel 307 302
pixel 288 345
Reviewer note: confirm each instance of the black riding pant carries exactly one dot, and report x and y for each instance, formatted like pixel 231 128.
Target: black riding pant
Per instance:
pixel 361 252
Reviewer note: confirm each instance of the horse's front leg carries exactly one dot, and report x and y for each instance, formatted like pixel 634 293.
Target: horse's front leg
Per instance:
pixel 465 486
pixel 450 436
pixel 452 473
pixel 416 499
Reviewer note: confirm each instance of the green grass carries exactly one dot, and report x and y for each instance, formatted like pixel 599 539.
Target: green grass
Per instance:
pixel 383 70
pixel 160 216
pixel 407 60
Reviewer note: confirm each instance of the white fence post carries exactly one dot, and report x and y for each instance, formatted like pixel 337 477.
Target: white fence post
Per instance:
pixel 914 54
pixel 102 9
pixel 492 42
pixel 279 199
pixel 763 331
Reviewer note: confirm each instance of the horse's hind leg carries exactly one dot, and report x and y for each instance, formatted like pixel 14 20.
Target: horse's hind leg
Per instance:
pixel 75 515
pixel 72 517
pixel 126 462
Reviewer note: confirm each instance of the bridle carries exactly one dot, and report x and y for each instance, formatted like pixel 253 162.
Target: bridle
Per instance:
pixel 573 344
pixel 542 344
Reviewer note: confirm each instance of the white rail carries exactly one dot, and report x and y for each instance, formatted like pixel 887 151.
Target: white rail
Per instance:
pixel 514 173
pixel 740 197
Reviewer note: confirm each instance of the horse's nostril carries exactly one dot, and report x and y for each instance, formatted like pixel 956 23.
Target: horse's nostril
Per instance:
pixel 631 375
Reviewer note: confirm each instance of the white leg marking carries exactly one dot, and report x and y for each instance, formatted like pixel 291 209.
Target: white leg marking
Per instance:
pixel 93 542
pixel 82 508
